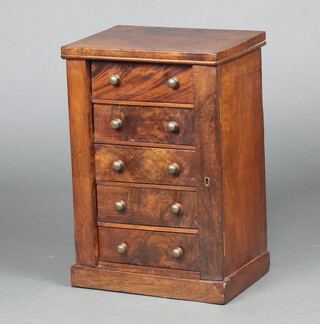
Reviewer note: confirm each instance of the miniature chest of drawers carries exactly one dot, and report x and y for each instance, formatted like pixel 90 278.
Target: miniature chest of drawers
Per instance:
pixel 167 147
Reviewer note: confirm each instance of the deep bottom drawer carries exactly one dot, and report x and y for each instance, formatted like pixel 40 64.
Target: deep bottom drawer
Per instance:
pixel 148 248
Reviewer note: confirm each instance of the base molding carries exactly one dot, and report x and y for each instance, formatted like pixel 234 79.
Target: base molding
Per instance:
pixel 215 292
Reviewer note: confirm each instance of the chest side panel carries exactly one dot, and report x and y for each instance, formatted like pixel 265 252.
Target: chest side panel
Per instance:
pixel 243 161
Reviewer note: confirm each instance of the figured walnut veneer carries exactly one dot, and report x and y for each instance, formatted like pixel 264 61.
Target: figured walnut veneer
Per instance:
pixel 128 237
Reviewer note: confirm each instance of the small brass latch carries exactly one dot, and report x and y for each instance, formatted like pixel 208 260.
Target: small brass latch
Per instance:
pixel 206 182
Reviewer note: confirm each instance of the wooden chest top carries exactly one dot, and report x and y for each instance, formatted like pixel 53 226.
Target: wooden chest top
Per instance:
pixel 137 43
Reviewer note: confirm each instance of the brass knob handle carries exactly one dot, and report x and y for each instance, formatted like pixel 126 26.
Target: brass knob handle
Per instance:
pixel 173 83
pixel 177 252
pixel 173 168
pixel 120 205
pixel 173 127
pixel 114 79
pixel 118 165
pixel 116 123
pixel 121 248
pixel 176 208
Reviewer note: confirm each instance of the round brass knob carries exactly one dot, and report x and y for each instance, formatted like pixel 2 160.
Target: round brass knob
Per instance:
pixel 116 123
pixel 118 165
pixel 173 127
pixel 173 168
pixel 176 208
pixel 121 248
pixel 120 205
pixel 177 252
pixel 114 79
pixel 173 83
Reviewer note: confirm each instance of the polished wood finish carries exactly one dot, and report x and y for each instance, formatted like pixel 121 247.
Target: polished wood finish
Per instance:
pixel 83 172
pixel 133 268
pixel 146 206
pixel 142 103
pixel 192 46
pixel 149 248
pixel 143 124
pixel 242 152
pixel 151 228
pixel 144 165
pixel 208 165
pixel 217 292
pixel 143 144
pixel 145 185
pixel 246 275
pixel 166 61
pixel 216 247
pixel 141 82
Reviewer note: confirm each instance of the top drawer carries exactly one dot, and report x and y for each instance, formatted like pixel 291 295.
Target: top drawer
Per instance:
pixel 142 82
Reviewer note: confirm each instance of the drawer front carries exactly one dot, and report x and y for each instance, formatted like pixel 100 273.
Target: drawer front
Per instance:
pixel 144 165
pixel 144 124
pixel 146 206
pixel 149 248
pixel 142 82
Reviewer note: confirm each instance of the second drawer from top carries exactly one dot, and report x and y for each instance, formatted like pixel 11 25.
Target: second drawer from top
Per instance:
pixel 143 124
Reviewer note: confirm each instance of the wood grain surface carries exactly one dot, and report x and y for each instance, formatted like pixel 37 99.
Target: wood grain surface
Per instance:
pixel 82 156
pixel 149 248
pixel 146 206
pixel 143 124
pixel 165 229
pixel 208 164
pixel 142 82
pixel 144 165
pixel 242 150
pixel 162 285
pixel 161 43
pixel 142 103
pixel 165 272
pixel 219 149
pixel 153 285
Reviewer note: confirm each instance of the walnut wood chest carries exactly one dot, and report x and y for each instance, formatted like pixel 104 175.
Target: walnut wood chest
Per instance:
pixel 167 146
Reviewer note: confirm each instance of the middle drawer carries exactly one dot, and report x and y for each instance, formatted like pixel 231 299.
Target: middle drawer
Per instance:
pixel 144 165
